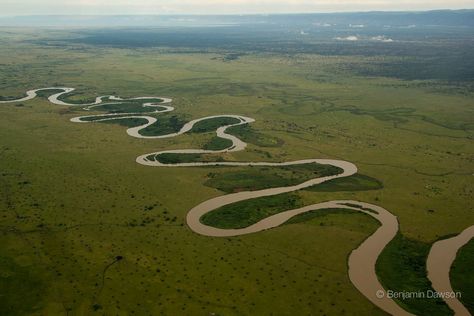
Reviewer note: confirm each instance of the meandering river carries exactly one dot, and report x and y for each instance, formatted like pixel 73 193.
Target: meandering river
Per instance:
pixel 361 262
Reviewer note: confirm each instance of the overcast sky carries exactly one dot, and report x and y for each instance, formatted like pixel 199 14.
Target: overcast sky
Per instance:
pixel 22 7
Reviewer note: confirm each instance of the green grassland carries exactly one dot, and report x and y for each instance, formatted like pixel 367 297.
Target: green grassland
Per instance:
pixel 257 178
pixel 73 200
pixel 173 158
pixel 250 135
pixel 461 275
pixel 245 213
pixel 128 107
pixel 401 267
pixel 357 182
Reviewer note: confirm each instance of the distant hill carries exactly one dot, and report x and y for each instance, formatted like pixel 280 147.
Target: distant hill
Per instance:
pixel 457 18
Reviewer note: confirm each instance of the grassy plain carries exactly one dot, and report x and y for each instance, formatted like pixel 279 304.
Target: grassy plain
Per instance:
pixel 461 276
pixel 257 178
pixel 73 200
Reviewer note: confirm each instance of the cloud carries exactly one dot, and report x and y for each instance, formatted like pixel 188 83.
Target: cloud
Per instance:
pixel 382 38
pixel 351 38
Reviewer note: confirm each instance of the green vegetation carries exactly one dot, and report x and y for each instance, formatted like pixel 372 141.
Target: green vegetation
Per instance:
pixel 8 98
pixel 402 268
pixel 76 97
pixel 41 94
pixel 125 121
pixel 430 51
pixel 217 143
pixel 462 278
pixel 361 207
pixel 164 124
pixel 128 107
pixel 249 135
pixel 46 93
pixel 21 288
pixel 398 116
pixel 59 232
pixel 246 213
pixel 317 214
pixel 172 158
pixel 257 178
pixel 210 125
pixel 357 182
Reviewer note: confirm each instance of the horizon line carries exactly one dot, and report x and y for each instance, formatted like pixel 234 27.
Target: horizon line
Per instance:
pixel 241 14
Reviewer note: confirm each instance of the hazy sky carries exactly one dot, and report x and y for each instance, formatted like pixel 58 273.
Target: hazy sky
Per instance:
pixel 21 7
